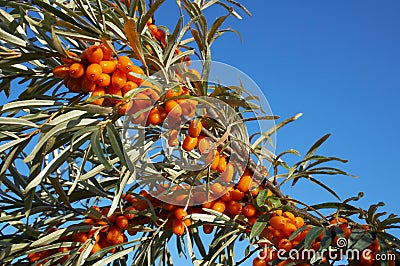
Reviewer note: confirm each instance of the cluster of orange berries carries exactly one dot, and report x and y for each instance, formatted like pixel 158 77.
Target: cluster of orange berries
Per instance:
pixel 97 72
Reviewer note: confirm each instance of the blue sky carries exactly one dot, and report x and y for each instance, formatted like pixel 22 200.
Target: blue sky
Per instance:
pixel 338 63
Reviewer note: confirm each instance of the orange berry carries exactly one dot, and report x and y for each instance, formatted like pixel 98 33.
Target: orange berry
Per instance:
pixel 285 244
pixel 180 213
pixel 115 235
pixel 259 262
pixel 107 52
pixel 189 143
pixel 127 215
pixel 152 28
pixel 93 71
pixel 80 237
pixel 227 196
pixel 221 164
pixel 125 64
pixel 245 181
pixel 75 84
pixel 289 215
pixel 217 188
pixel 104 80
pixel 61 71
pixel 172 93
pixel 99 91
pixel 108 66
pixel 141 101
pixel 76 70
pixel 219 206
pixel 96 247
pixel 69 61
pixel 249 211
pixel 277 222
pixel 87 85
pixel 237 195
pixel 203 144
pixel 94 54
pixel 173 108
pixel 341 221
pixel 122 222
pixel 157 115
pixel 288 229
pixel 137 70
pixel 33 257
pixel 298 222
pixel 233 207
pixel 195 128
pixel 215 161
pixel 187 222
pixel 129 85
pixel 118 79
pixel 228 173
pixel 178 227
pixel 208 228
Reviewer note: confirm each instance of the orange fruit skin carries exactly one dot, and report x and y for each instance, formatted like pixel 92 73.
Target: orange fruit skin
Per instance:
pixel 277 222
pixel 221 164
pixel 244 182
pixel 93 71
pixel 107 52
pixel 94 54
pixel 87 85
pixel 237 195
pixel 137 70
pixel 118 79
pixel 189 143
pixel 178 227
pixel 227 196
pixel 104 80
pixel 80 237
pixel 61 71
pixel 96 247
pixel 228 173
pixel 129 85
pixel 195 127
pixel 298 222
pixel 122 222
pixel 288 229
pixel 208 228
pixel 173 109
pixel 157 115
pixel 219 206
pixel 107 66
pixel 217 188
pixel 203 144
pixel 69 61
pixel 285 244
pixel 215 161
pixel 259 262
pixel 76 70
pixel 75 84
pixel 180 213
pixel 99 91
pixel 114 235
pixel 249 211
pixel 125 64
pixel 233 207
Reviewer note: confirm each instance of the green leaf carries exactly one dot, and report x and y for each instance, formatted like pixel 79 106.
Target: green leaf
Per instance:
pixel 98 151
pixel 262 197
pixel 360 239
pixel 259 225
pixel 16 121
pixel 314 232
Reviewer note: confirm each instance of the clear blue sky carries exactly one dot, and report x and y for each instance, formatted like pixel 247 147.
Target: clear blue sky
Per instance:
pixel 338 62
